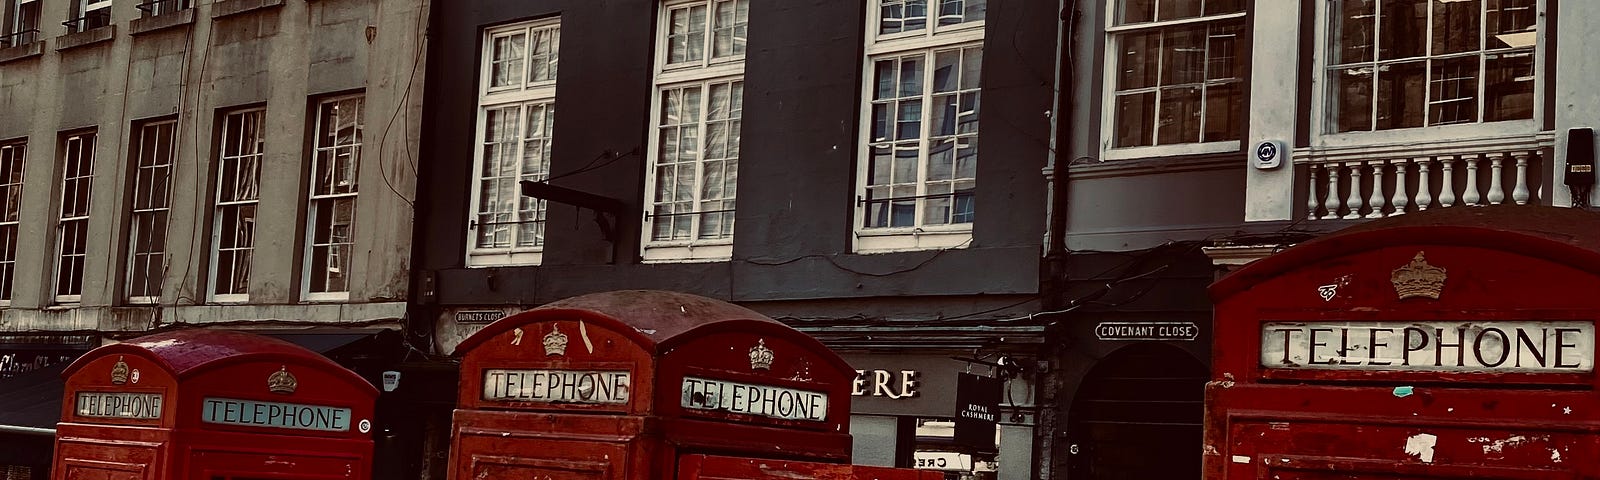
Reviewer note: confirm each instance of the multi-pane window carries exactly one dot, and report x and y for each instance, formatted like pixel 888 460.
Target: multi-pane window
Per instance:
pixel 12 159
pixel 516 120
pixel 22 24
pixel 902 16
pixel 153 155
pixel 151 8
pixel 331 219
pixel 233 231
pixel 1178 72
pixel 1414 63
pixel 89 14
pixel 919 160
pixel 693 168
pixel 72 226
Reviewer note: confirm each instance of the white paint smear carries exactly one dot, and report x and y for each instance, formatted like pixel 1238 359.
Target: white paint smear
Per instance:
pixel 1421 446
pixel 1241 459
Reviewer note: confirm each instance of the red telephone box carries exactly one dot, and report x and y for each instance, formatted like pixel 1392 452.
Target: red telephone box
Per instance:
pixel 649 385
pixel 1445 344
pixel 212 405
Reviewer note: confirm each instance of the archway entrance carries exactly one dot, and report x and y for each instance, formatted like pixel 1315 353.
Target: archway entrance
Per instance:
pixel 1138 415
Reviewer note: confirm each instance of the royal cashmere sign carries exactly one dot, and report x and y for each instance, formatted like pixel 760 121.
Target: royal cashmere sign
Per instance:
pixel 1439 346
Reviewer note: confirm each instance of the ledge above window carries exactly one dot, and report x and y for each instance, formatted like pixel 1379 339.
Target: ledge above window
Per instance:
pixel 235 7
pixel 86 37
pixel 161 22
pixel 912 239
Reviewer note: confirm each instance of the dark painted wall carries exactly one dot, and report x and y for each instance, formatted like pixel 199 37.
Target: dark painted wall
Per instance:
pixel 801 117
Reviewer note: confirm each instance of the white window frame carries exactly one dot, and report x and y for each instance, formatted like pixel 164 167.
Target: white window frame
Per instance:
pixel 1322 123
pixel 926 42
pixel 11 216
pixel 704 73
pixel 1108 101
pixel 86 156
pixel 254 155
pixel 87 7
pixel 15 23
pixel 310 244
pixel 161 166
pixel 529 93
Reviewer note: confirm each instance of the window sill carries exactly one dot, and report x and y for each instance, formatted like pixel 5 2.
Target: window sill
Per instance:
pixel 490 259
pixel 164 21
pixel 688 253
pixel 235 7
pixel 327 297
pixel 1174 150
pixel 229 299
pixel 144 301
pixel 24 51
pixel 910 240
pixel 1414 148
pixel 1410 137
pixel 85 38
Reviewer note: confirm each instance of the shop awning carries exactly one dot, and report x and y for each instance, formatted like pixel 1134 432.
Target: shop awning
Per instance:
pixel 31 402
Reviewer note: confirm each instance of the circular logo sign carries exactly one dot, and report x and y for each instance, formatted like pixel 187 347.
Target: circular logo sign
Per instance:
pixel 364 426
pixel 1266 151
pixel 135 376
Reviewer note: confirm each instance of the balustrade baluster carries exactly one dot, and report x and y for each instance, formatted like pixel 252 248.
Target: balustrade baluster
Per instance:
pixel 1400 194
pixel 1353 202
pixel 1497 192
pixel 1447 191
pixel 1376 200
pixel 1471 197
pixel 1520 192
pixel 1312 202
pixel 1424 188
pixel 1331 204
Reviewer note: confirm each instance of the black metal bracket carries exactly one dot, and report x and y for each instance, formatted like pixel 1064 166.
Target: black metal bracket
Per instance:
pixel 607 210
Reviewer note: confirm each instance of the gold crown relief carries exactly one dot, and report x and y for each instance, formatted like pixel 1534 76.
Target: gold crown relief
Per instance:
pixel 119 372
pixel 555 342
pixel 761 357
pixel 1418 279
pixel 282 381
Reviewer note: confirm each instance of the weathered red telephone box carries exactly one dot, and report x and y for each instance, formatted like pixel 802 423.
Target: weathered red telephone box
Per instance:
pixel 1457 343
pixel 212 405
pixel 652 385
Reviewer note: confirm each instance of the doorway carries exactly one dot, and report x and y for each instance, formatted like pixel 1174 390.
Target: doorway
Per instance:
pixel 1138 414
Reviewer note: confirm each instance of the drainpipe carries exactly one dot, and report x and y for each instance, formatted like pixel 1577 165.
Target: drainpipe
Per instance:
pixel 1054 267
pixel 1060 155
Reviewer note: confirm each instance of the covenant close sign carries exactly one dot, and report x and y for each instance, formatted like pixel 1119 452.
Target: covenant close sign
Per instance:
pixel 1440 346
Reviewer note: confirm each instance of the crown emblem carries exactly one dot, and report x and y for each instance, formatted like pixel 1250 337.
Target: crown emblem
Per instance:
pixel 119 372
pixel 1418 279
pixel 555 343
pixel 282 381
pixel 760 356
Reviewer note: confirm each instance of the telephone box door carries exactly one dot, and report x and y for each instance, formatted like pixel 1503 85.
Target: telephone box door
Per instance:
pixel 272 466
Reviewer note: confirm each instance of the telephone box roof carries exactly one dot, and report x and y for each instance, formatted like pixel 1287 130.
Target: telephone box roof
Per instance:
pixel 187 352
pixel 1566 235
